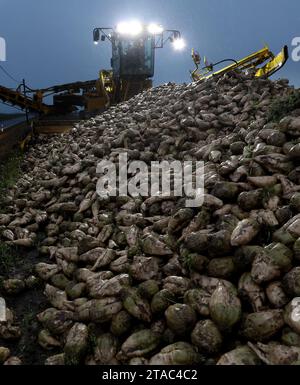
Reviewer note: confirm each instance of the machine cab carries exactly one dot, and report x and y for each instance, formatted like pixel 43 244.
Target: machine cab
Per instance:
pixel 133 57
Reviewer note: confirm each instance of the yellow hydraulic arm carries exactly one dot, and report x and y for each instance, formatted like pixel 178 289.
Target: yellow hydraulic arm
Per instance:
pixel 250 62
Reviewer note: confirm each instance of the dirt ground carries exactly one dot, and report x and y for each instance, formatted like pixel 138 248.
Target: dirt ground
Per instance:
pixel 11 137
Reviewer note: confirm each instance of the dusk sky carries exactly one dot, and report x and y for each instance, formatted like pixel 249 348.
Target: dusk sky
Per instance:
pixel 50 41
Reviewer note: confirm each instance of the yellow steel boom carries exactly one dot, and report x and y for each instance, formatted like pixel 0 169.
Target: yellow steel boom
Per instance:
pixel 249 62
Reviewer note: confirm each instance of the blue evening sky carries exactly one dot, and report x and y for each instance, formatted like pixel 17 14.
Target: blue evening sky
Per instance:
pixel 50 41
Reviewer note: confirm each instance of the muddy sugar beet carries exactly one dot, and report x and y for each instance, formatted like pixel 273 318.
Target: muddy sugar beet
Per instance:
pixel 146 279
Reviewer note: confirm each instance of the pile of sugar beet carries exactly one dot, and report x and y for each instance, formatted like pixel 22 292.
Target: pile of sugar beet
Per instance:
pixel 147 280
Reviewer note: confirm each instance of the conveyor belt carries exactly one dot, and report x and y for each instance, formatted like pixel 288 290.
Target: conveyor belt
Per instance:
pixel 16 98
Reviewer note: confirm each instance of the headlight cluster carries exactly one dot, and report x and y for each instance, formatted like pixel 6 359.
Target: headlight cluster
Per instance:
pixel 135 28
pixel 132 28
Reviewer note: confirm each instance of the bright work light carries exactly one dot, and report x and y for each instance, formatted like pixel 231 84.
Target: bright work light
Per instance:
pixel 178 44
pixel 155 29
pixel 132 28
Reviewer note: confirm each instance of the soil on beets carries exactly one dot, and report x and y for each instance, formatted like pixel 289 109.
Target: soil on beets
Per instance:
pixel 25 307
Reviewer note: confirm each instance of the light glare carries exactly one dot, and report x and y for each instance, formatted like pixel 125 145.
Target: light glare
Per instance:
pixel 179 44
pixel 155 29
pixel 132 28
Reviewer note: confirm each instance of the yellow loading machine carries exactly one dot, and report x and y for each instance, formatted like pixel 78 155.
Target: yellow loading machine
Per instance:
pixel 132 62
pixel 133 58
